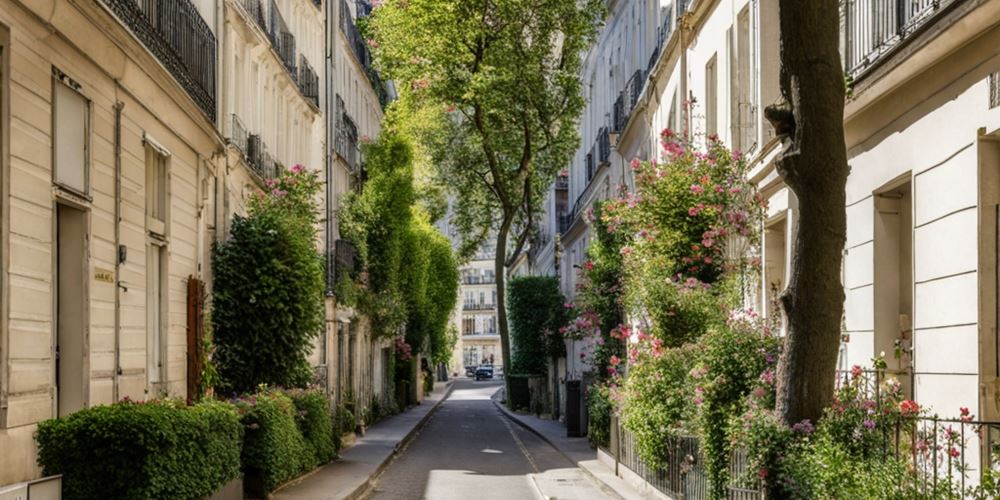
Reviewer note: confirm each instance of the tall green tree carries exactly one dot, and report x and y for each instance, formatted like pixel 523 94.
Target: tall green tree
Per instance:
pixel 502 76
pixel 813 163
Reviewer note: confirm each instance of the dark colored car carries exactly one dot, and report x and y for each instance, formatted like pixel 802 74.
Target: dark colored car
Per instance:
pixel 470 371
pixel 484 373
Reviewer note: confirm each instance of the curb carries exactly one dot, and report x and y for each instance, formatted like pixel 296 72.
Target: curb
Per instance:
pixel 365 487
pixel 604 487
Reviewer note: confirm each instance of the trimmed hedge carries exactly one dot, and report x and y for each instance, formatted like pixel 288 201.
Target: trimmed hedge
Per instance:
pixel 156 449
pixel 285 437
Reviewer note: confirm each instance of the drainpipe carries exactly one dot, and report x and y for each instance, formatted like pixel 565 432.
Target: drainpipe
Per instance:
pixel 120 258
pixel 682 41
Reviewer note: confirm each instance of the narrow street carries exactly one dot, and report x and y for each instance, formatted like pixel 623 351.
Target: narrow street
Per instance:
pixel 468 449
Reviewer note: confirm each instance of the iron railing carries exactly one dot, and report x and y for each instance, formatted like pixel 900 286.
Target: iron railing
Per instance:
pixel 282 39
pixel 345 258
pixel 590 164
pixel 603 147
pixel 479 280
pixel 619 117
pixel 259 159
pixel 565 220
pixel 478 306
pixel 308 81
pixel 634 89
pixel 346 138
pixel 562 183
pixel 359 47
pixel 176 34
pixel 238 134
pixel 875 28
pixel 255 9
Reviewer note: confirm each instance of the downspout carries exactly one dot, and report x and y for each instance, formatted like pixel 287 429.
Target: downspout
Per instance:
pixel 120 257
pixel 682 42
pixel 329 37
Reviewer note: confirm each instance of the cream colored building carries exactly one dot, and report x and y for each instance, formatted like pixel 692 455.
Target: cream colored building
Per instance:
pixel 476 316
pixel 922 127
pixel 109 146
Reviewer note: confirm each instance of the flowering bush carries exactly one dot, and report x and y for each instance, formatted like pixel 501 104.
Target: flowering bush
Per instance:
pixel 658 399
pixel 267 296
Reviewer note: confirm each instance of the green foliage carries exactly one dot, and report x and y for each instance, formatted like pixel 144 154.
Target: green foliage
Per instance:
pixel 411 275
pixel 599 411
pixel 268 289
pixel 536 312
pixel 157 449
pixel 285 436
pixel 657 400
pixel 316 423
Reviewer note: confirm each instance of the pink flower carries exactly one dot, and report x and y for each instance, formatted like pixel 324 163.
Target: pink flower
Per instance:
pixel 909 408
pixel 964 414
pixel 855 371
pixel 953 452
pixel 373 43
pixel 614 360
pixel 697 189
pixel 297 168
pixel 635 164
pixel 626 250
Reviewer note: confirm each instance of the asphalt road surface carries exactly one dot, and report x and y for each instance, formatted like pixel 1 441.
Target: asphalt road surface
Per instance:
pixel 468 450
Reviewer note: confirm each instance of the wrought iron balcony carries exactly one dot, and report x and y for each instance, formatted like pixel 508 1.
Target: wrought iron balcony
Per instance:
pixel 346 138
pixel 282 39
pixel 238 134
pixel 259 159
pixel 479 280
pixel 590 165
pixel 562 183
pixel 875 28
pixel 255 9
pixel 619 117
pixel 345 258
pixel 634 89
pixel 176 34
pixel 359 46
pixel 308 81
pixel 603 147
pixel 478 306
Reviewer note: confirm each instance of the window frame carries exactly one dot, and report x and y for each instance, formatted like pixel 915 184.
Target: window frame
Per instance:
pixel 62 80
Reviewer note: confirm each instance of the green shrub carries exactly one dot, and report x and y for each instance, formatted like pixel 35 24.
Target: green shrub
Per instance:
pixel 274 450
pixel 536 312
pixel 316 423
pixel 599 408
pixel 156 449
pixel 268 289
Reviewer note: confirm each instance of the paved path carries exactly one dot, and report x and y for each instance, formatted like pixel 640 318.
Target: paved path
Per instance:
pixel 469 449
pixel 348 476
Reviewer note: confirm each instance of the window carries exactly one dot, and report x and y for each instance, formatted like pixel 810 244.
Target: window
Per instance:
pixel 744 120
pixel 71 135
pixel 893 292
pixel 156 312
pixel 711 97
pixel 156 189
pixel 157 204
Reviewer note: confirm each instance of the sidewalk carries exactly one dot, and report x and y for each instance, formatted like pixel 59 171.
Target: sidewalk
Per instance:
pixel 578 451
pixel 349 476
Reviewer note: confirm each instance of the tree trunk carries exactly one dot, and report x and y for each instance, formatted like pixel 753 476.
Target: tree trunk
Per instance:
pixel 814 165
pixel 499 261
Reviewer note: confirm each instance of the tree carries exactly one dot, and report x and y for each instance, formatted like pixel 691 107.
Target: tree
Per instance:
pixel 814 165
pixel 268 293
pixel 502 78
pixel 537 312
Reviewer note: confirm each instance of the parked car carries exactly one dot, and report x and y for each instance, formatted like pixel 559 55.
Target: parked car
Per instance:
pixel 484 372
pixel 470 371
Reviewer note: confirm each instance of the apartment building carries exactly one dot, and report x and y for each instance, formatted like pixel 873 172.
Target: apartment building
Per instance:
pixel 109 141
pixel 356 360
pixel 476 316
pixel 922 122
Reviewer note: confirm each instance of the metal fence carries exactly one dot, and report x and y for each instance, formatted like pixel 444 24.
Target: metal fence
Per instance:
pixel 873 28
pixel 308 81
pixel 238 134
pixel 683 475
pixel 176 34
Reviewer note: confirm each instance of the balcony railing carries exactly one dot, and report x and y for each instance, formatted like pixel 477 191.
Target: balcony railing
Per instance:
pixel 603 147
pixel 308 81
pixel 359 46
pixel 565 220
pixel 634 89
pixel 475 306
pixel 562 183
pixel 875 28
pixel 346 138
pixel 473 334
pixel 479 280
pixel 282 39
pixel 255 9
pixel 238 134
pixel 176 34
pixel 259 159
pixel 619 117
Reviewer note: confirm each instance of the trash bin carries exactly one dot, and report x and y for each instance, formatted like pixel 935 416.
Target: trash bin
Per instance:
pixel 573 409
